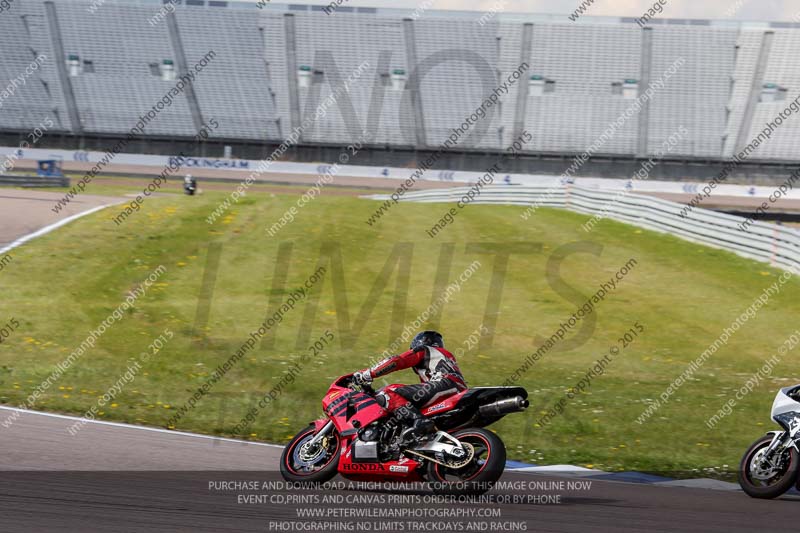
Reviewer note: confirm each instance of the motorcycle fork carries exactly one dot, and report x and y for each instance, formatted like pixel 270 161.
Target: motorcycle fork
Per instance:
pixel 322 433
pixel 781 441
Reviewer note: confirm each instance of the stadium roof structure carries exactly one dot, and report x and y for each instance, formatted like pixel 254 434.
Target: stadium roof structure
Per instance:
pixel 467 14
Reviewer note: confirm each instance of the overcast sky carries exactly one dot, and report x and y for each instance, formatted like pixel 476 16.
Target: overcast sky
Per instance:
pixel 773 10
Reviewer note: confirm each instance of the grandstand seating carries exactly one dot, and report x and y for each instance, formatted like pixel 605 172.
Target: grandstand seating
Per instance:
pixel 455 87
pixel 121 45
pixel 40 97
pixel 251 87
pixel 234 89
pixel 583 62
pixel 747 51
pixel 320 40
pixel 783 69
pixel 697 95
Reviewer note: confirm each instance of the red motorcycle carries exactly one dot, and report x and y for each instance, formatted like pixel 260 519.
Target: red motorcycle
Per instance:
pixel 361 441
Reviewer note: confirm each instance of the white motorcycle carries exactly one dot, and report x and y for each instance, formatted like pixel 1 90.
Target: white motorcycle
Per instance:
pixel 189 185
pixel 770 466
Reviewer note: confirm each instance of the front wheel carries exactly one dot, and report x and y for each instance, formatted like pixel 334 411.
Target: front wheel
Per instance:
pixel 762 479
pixel 477 476
pixel 302 461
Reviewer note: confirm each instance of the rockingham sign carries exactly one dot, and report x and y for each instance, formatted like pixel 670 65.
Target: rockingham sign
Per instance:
pixel 205 162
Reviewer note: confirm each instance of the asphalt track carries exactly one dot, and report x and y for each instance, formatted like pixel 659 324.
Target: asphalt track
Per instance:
pixel 112 477
pixel 23 212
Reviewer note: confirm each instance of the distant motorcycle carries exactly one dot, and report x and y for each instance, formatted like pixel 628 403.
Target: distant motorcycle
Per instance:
pixel 189 185
pixel 358 441
pixel 770 466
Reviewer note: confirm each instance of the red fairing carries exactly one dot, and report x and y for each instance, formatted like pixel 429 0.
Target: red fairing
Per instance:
pixel 395 400
pixel 345 407
pixel 404 469
pixel 352 410
pixel 445 405
pixel 319 424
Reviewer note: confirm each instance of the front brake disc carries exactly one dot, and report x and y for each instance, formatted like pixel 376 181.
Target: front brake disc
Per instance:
pixel 758 469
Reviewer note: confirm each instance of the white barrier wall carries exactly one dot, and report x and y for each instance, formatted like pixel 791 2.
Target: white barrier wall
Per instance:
pixel 769 243
pixel 247 166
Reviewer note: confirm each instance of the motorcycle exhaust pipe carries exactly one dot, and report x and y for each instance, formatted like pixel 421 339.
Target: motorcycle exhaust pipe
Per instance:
pixel 504 407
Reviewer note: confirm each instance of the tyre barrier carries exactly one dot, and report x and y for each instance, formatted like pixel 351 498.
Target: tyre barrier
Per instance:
pixel 11 180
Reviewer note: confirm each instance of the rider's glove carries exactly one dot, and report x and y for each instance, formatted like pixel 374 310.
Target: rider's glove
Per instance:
pixel 363 377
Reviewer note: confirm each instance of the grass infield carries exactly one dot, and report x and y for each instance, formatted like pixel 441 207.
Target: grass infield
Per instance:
pixel 61 286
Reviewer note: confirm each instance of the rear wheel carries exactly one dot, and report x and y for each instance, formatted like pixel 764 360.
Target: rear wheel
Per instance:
pixel 477 476
pixel 302 461
pixel 762 479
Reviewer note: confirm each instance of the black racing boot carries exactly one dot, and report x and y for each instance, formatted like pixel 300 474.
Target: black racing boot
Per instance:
pixel 420 428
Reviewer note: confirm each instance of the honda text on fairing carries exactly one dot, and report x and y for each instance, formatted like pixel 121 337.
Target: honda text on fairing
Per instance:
pixel 360 440
pixel 769 467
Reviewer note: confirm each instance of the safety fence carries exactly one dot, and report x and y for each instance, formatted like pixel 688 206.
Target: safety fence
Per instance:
pixel 762 241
